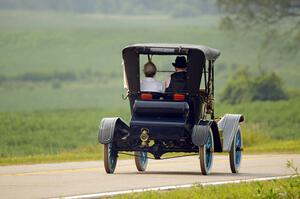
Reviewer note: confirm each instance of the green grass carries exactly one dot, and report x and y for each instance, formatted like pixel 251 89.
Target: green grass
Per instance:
pixel 47 43
pixel 57 119
pixel 286 188
pixel 50 42
pixel 101 94
pixel 50 132
pixel 52 136
pixel 82 154
pixel 71 134
pixel 274 146
pixel 280 120
pixel 95 153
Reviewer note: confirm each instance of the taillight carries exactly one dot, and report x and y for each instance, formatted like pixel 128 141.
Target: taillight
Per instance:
pixel 178 97
pixel 146 96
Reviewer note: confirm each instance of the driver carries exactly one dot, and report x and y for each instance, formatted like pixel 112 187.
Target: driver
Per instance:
pixel 177 82
pixel 149 83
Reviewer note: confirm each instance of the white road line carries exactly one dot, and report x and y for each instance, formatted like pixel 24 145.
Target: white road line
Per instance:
pixel 114 193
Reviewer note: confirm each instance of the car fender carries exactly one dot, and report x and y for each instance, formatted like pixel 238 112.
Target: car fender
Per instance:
pixel 109 127
pixel 201 131
pixel 229 125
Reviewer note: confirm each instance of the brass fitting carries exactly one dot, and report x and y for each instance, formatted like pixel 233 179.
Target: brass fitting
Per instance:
pixel 144 137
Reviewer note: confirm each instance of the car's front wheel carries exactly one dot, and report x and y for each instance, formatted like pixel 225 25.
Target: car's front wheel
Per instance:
pixel 110 158
pixel 141 160
pixel 206 154
pixel 235 153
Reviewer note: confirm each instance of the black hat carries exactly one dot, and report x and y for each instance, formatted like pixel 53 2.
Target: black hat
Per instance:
pixel 180 62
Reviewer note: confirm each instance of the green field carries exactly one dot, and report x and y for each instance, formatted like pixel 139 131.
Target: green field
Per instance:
pixel 61 73
pixel 287 188
pixel 88 47
pixel 71 134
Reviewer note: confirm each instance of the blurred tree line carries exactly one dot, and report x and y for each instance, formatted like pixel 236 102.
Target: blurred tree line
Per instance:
pixel 278 19
pixel 245 87
pixel 180 8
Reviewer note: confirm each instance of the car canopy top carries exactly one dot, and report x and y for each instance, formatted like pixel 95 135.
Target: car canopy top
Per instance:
pixel 196 59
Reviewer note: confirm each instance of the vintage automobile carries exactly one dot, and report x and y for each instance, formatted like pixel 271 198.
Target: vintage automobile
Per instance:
pixel 172 122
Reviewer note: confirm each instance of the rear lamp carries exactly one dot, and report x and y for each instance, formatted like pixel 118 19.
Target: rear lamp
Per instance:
pixel 146 96
pixel 178 97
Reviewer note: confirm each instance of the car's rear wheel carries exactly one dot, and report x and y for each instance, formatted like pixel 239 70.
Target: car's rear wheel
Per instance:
pixel 141 160
pixel 110 158
pixel 206 154
pixel 235 154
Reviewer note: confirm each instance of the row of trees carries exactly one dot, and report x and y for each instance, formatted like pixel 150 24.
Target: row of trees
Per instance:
pixel 175 8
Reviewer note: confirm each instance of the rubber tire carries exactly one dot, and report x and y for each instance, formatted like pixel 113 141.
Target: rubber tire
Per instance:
pixel 233 155
pixel 205 166
pixel 141 160
pixel 110 158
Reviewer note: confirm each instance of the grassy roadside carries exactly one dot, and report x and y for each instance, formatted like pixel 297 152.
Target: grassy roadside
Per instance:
pixel 275 146
pixel 71 134
pixel 82 154
pixel 286 188
pixel 96 153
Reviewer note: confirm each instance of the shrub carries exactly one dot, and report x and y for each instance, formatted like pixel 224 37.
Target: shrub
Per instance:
pixel 268 87
pixel 237 89
pixel 245 87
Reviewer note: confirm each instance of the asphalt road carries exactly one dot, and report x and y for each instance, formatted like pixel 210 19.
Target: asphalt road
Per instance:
pixel 77 178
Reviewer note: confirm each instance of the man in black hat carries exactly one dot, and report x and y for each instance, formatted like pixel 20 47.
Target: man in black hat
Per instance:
pixel 177 83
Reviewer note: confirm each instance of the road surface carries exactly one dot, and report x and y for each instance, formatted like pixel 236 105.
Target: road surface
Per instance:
pixel 78 178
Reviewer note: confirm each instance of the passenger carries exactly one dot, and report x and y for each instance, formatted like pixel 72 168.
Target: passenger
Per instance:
pixel 149 83
pixel 177 82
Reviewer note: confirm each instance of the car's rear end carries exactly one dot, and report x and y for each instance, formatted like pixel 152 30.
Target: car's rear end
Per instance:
pixel 161 124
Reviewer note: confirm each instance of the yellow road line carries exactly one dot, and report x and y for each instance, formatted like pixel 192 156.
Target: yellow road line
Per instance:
pixel 51 172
